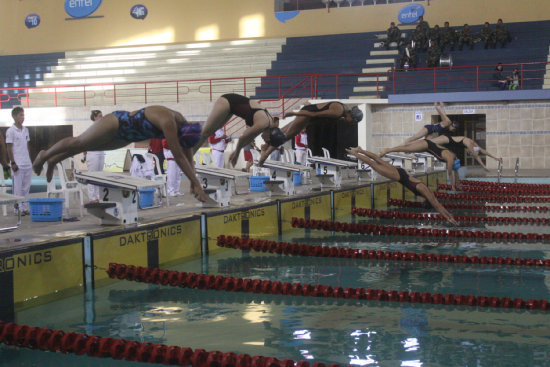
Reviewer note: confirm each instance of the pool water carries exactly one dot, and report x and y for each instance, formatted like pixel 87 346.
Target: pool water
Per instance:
pixel 325 330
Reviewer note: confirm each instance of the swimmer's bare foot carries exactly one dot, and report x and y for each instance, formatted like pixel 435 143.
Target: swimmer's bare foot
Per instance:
pixel 38 163
pixel 49 172
pixel 383 152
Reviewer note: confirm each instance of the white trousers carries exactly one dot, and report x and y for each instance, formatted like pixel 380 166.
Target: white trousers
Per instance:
pixel 95 162
pixel 173 177
pixel 218 158
pixel 22 185
pixel 301 156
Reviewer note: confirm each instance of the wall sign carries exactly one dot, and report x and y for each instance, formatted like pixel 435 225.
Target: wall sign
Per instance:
pixel 410 13
pixel 418 116
pixel 283 16
pixel 81 8
pixel 32 20
pixel 138 12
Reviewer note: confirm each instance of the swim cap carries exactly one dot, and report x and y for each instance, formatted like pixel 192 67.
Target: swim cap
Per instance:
pixel 276 137
pixel 356 114
pixel 456 164
pixel 189 134
pixel 456 124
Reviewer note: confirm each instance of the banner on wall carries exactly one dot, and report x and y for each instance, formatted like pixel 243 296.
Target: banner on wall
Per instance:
pixel 410 13
pixel 32 20
pixel 138 11
pixel 79 9
pixel 283 16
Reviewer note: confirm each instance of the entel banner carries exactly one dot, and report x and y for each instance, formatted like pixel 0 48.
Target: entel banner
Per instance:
pixel 410 13
pixel 81 8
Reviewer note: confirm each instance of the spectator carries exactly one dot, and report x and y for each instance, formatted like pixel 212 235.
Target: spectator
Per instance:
pixel 155 147
pixel 424 26
pixel 465 36
pixel 434 36
pixel 218 142
pixel 487 36
pixel 393 35
pixel 448 37
pixel 434 54
pixel 17 139
pixel 173 171
pixel 95 160
pixel 501 34
pixel 276 155
pixel 408 58
pixel 514 80
pixel 499 77
pixel 419 38
pixel 142 167
pixel 300 141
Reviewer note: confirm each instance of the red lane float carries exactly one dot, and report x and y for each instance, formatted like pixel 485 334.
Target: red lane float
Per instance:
pixel 497 190
pixel 377 230
pixel 131 350
pixel 488 208
pixel 231 284
pixel 463 220
pixel 505 184
pixel 491 198
pixel 296 249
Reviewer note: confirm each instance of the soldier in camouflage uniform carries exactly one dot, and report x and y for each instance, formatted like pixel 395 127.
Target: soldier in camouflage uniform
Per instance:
pixel 409 57
pixel 420 39
pixel 435 36
pixel 424 26
pixel 434 54
pixel 487 36
pixel 465 36
pixel 501 34
pixel 447 37
pixel 394 35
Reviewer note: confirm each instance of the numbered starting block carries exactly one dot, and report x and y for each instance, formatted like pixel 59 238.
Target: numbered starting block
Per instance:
pixel 11 200
pixel 219 183
pixel 399 160
pixel 119 195
pixel 282 177
pixel 364 171
pixel 331 172
pixel 424 162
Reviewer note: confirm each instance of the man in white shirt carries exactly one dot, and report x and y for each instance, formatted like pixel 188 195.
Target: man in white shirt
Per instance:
pixel 300 141
pixel 17 139
pixel 218 143
pixel 95 160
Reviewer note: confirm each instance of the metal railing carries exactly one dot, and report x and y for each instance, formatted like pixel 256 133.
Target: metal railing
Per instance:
pixel 516 170
pixel 499 171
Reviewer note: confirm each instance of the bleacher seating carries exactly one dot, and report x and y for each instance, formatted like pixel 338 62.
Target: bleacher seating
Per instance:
pixel 20 71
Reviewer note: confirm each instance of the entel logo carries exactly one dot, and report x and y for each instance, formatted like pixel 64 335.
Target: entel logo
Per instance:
pixel 81 8
pixel 410 13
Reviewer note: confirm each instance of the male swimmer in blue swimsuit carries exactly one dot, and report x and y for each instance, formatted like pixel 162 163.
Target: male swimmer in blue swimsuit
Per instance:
pixel 120 128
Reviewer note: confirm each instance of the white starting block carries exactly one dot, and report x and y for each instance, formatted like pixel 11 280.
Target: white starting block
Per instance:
pixel 8 199
pixel 119 195
pixel 334 171
pixel 364 171
pixel 218 184
pixel 399 160
pixel 424 162
pixel 282 177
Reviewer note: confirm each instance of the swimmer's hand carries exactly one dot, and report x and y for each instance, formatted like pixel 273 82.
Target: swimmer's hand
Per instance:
pixel 199 193
pixel 452 221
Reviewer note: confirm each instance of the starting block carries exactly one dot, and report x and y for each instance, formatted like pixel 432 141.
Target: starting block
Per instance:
pixel 282 177
pixel 219 184
pixel 8 199
pixel 334 171
pixel 424 162
pixel 364 171
pixel 119 195
pixel 399 160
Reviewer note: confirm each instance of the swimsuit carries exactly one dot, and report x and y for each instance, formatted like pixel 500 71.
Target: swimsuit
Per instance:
pixel 435 150
pixel 404 179
pixel 437 128
pixel 240 106
pixel 455 146
pixel 315 108
pixel 135 128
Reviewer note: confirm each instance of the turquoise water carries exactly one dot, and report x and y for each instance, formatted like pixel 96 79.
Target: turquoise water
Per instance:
pixel 340 331
pixel 528 180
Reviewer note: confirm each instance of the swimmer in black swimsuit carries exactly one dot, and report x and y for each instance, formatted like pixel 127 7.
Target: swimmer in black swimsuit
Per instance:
pixel 255 116
pixel 119 128
pixel 459 143
pixel 400 175
pixel 307 114
pixel 440 152
pixel 446 125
